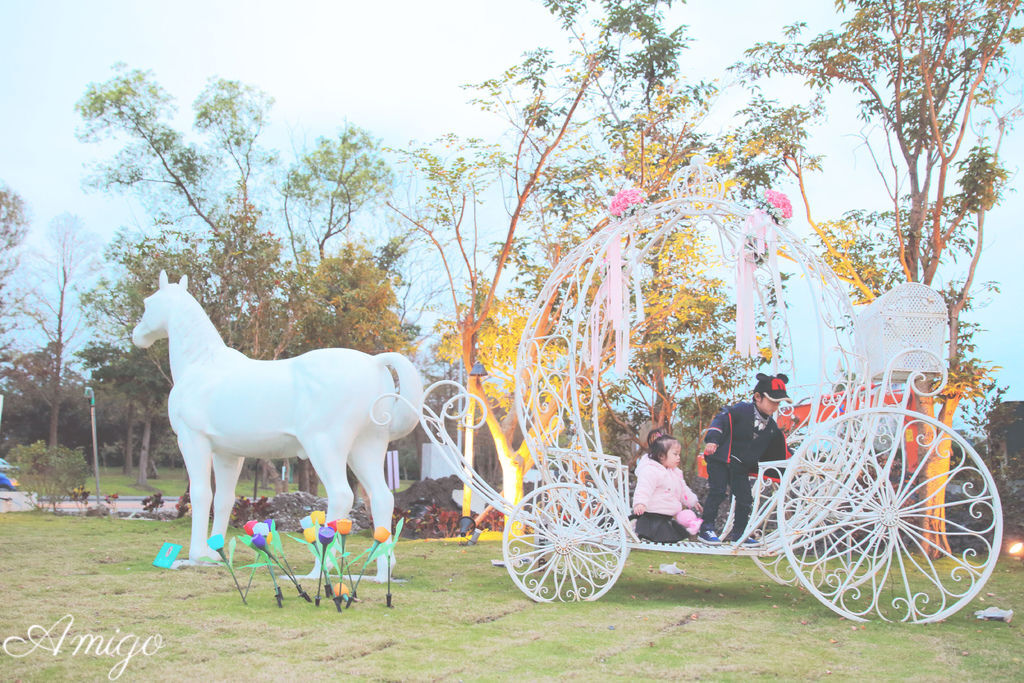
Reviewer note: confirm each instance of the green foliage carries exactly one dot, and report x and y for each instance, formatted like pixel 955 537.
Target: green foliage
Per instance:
pixel 682 368
pixel 52 472
pixel 351 303
pixel 24 381
pixel 13 224
pixel 180 181
pixel 328 185
pixel 930 78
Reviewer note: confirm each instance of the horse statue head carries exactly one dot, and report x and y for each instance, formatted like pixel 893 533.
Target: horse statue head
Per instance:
pixel 157 315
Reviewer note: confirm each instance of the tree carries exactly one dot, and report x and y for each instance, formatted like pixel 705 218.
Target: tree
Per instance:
pixel 13 223
pixel 325 189
pixel 181 181
pixel 25 383
pixel 611 89
pixel 52 304
pixel 930 77
pixel 207 193
pixel 132 384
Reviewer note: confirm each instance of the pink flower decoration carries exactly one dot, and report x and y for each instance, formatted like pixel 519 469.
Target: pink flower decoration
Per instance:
pixel 624 200
pixel 780 202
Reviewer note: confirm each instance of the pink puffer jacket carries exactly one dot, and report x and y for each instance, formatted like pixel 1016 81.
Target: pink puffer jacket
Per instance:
pixel 660 489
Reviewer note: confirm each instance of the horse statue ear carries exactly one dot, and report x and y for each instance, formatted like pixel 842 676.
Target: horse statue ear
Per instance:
pixel 183 282
pixel 163 279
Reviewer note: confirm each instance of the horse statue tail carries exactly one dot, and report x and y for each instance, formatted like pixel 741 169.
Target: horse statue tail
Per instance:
pixel 405 412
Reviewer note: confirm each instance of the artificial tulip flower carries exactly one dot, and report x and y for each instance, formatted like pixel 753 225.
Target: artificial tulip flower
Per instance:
pixel 326 535
pixel 261 528
pixel 216 542
pixel 260 541
pixel 249 525
pixel 310 534
pixel 344 526
pixel 381 534
pixel 318 517
pixel 306 522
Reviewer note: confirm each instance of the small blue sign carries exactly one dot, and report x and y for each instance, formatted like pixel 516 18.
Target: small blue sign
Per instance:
pixel 166 556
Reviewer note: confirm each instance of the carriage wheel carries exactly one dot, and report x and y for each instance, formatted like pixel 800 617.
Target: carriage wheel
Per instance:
pixel 872 535
pixel 562 542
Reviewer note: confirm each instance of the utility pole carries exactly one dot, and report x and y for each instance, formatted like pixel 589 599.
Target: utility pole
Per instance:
pixel 91 395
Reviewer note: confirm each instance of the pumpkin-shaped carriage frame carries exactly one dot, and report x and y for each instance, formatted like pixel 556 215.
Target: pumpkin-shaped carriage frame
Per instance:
pixel 882 512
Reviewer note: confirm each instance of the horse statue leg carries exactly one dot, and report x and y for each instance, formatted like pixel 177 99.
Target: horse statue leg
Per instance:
pixel 367 462
pixel 226 469
pixel 328 459
pixel 198 456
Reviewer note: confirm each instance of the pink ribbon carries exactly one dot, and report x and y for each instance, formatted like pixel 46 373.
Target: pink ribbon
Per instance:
pixel 611 298
pixel 756 231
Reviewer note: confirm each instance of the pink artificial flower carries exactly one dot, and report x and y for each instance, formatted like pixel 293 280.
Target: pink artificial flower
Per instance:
pixel 625 199
pixel 779 201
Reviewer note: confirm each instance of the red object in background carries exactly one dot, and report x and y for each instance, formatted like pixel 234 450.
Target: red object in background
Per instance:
pixel 830 406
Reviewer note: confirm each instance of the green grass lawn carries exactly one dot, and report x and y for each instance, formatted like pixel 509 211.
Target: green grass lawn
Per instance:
pixel 456 617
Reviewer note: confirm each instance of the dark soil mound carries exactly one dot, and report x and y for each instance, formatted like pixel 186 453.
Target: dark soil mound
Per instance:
pixel 428 492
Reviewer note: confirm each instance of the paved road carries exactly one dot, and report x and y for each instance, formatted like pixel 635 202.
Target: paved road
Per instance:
pixel 13 502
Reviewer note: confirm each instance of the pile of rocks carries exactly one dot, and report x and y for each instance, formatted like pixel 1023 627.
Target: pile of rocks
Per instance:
pixel 287 509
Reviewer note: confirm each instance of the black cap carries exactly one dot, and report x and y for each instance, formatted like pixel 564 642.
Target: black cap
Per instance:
pixel 772 386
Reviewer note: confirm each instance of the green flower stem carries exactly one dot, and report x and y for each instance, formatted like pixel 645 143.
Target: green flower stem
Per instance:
pixel 230 569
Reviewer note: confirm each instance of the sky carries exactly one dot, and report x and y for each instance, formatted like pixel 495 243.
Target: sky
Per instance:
pixel 397 69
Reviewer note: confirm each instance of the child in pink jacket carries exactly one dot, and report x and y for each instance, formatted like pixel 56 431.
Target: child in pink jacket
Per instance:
pixel 662 500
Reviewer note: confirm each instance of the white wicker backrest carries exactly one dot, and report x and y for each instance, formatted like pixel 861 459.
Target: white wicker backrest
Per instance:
pixel 905 328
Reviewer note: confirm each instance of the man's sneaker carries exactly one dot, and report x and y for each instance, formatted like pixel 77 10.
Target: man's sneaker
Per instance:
pixel 709 537
pixel 748 542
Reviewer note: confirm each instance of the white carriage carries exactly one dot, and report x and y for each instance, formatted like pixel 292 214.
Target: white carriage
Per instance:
pixel 870 526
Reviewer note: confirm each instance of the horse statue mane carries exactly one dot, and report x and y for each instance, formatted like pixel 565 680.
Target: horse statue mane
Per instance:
pixel 325 405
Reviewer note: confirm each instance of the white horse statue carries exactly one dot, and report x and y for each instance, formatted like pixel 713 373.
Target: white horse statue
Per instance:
pixel 225 407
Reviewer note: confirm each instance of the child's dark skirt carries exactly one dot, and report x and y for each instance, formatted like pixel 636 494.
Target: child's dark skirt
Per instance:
pixel 659 528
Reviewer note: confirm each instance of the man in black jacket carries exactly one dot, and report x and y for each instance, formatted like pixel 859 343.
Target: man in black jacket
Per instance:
pixel 739 437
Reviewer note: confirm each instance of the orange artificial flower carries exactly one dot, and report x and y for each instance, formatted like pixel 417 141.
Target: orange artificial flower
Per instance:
pixel 381 534
pixel 340 589
pixel 344 526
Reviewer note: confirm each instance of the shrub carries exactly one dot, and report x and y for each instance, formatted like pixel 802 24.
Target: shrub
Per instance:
pixel 153 503
pixel 245 509
pixel 184 505
pixel 430 522
pixel 80 497
pixel 53 473
pixel 492 520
